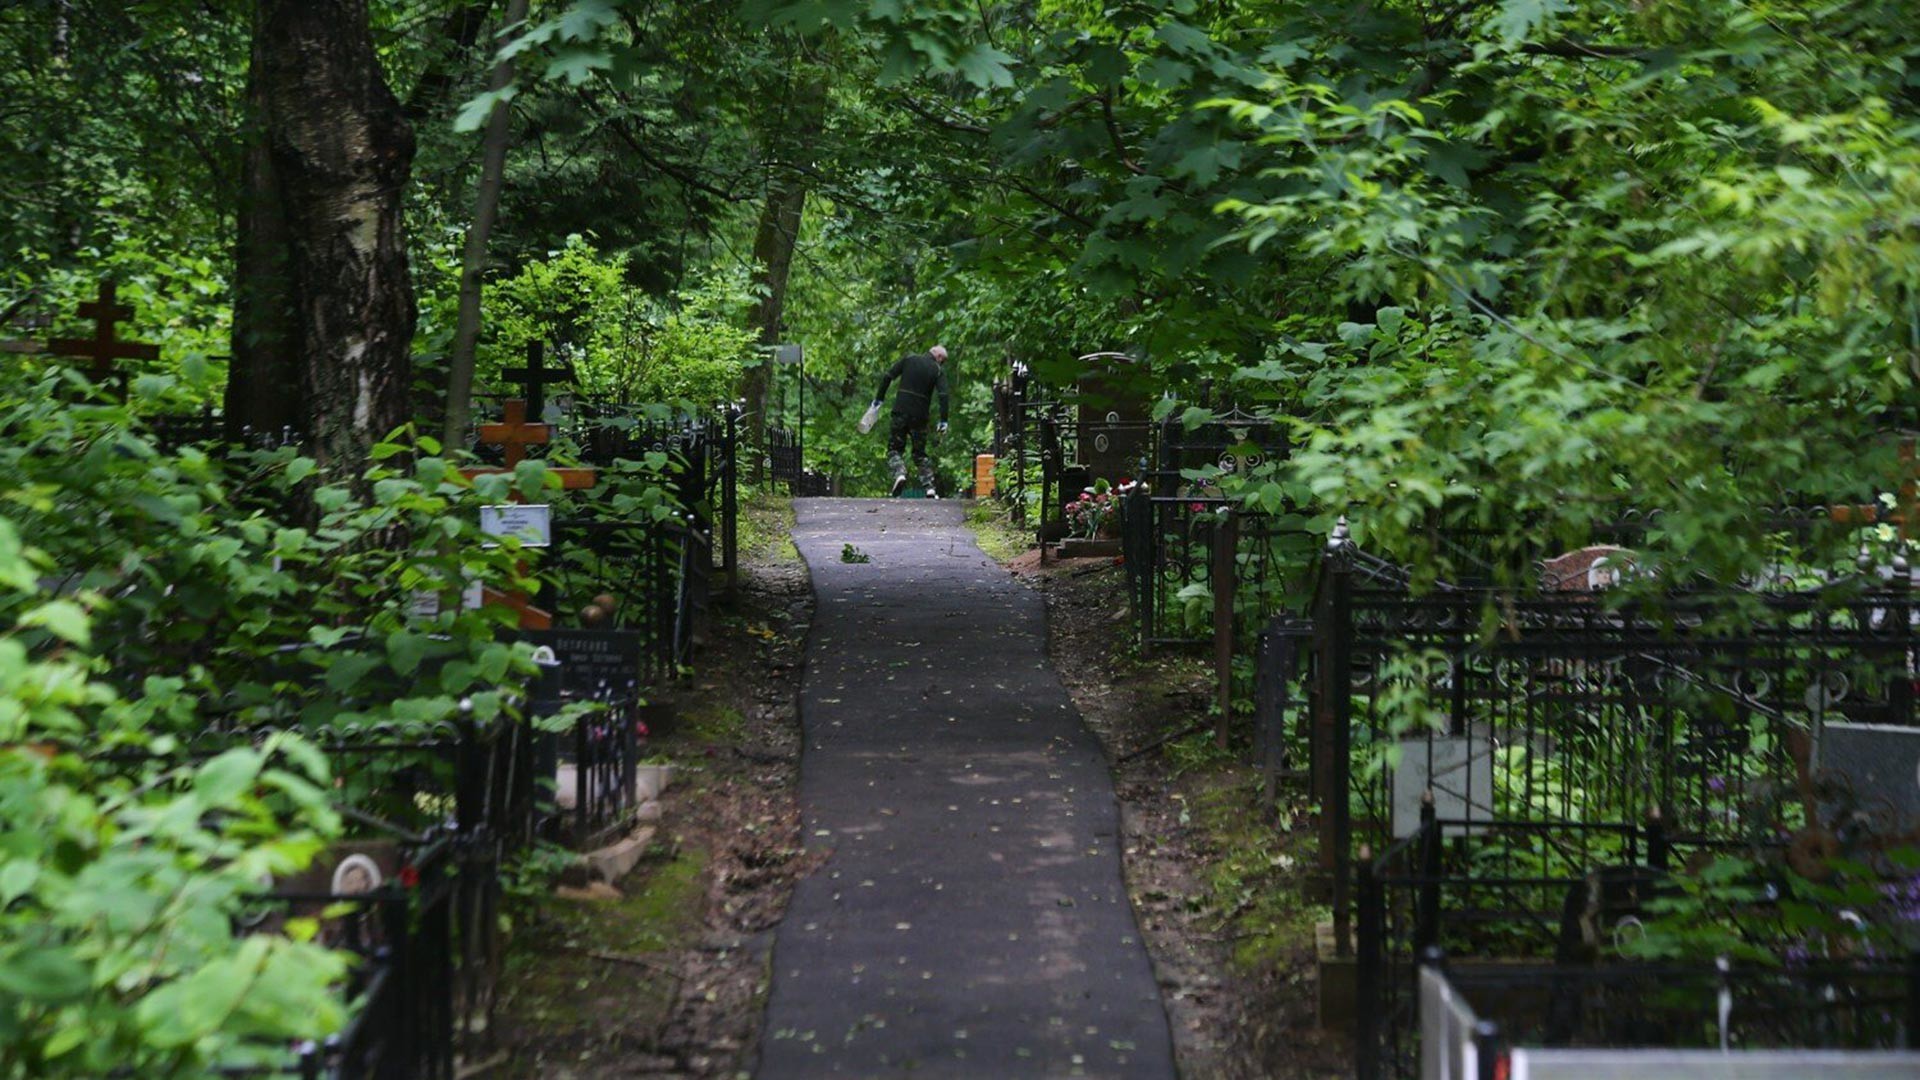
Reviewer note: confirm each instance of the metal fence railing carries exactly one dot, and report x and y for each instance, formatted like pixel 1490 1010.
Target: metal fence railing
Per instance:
pixel 1692 1022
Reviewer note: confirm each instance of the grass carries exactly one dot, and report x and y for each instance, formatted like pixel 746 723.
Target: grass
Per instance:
pixel 557 984
pixel 1255 870
pixel 766 527
pixel 995 531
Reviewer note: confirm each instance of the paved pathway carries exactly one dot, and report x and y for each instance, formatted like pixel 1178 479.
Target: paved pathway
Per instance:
pixel 970 920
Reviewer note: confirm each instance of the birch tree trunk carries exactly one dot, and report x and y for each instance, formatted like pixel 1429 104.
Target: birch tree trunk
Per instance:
pixel 341 152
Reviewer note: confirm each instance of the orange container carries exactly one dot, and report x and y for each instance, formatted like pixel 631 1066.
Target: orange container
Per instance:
pixel 982 476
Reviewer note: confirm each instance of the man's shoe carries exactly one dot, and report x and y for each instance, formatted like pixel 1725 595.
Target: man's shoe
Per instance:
pixel 899 485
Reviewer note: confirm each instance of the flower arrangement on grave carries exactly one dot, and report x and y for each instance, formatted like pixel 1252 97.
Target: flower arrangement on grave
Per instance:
pixel 1090 514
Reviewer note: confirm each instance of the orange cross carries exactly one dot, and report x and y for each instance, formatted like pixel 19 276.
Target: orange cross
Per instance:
pixel 516 434
pixel 104 347
pixel 1906 510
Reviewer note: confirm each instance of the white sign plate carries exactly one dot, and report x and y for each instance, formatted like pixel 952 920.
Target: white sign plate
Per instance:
pixel 531 523
pixel 1460 772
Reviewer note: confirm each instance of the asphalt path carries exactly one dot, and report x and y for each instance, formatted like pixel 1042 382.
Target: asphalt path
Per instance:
pixel 970 919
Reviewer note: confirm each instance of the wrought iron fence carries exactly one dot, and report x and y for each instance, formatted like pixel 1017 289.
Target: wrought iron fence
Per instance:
pixel 1700 706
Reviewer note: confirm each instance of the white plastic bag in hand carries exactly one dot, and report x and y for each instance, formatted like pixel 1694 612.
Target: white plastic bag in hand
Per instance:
pixel 867 421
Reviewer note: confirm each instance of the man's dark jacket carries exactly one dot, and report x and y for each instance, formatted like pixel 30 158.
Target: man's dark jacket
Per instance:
pixel 920 377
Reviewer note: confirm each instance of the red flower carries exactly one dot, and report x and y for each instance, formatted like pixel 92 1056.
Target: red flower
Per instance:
pixel 1198 508
pixel 409 876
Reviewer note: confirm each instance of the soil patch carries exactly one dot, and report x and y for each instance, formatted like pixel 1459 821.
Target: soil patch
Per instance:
pixel 1219 882
pixel 669 979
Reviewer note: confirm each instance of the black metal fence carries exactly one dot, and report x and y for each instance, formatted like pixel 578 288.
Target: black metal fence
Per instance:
pixel 1700 707
pixel 703 455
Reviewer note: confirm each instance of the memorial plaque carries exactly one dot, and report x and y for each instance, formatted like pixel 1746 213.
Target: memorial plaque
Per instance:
pixel 591 658
pixel 531 523
pixel 1880 763
pixel 1460 774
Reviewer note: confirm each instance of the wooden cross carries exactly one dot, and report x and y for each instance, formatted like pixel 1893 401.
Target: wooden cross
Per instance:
pixel 514 433
pixel 1905 515
pixel 536 375
pixel 104 347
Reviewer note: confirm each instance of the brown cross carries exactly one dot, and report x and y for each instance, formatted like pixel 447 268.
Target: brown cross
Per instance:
pixel 104 347
pixel 514 433
pixel 1905 514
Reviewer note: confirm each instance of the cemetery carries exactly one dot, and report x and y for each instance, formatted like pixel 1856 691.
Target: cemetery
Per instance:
pixel 1387 545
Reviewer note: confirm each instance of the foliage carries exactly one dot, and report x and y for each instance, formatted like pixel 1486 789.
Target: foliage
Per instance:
pixel 153 602
pixel 123 880
pixel 622 344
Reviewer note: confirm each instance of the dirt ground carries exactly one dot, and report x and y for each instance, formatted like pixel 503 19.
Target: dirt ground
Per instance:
pixel 668 979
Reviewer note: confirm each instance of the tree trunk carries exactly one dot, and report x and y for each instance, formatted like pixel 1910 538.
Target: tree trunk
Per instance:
pixel 773 246
pixel 342 153
pixel 263 376
pixel 466 334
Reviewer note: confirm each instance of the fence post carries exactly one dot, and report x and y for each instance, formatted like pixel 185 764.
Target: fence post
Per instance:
pixel 1337 680
pixel 1368 976
pixel 1226 544
pixel 1269 690
pixel 1657 853
pixel 730 502
pixel 1427 920
pixel 1486 1049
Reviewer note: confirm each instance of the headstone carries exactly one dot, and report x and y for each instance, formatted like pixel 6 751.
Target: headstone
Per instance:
pixel 1459 772
pixel 1589 569
pixel 591 658
pixel 1880 763
pixel 1112 426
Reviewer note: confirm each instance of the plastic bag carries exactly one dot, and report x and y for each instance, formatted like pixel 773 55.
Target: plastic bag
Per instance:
pixel 867 421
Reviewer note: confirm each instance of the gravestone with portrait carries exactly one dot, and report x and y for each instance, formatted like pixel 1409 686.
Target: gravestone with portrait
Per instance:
pixel 1113 420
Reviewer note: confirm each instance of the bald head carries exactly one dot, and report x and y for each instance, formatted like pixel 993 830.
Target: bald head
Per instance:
pixel 938 352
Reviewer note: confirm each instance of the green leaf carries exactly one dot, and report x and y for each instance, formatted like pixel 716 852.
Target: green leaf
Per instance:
pixel 578 65
pixel 405 650
pixel 225 778
pixel 63 619
pixel 985 66
pixel 474 114
pixel 44 973
pixel 347 671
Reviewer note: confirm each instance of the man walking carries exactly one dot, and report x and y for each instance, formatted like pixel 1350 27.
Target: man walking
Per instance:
pixel 920 375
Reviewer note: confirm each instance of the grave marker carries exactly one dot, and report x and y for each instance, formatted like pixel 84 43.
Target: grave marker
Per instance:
pixel 534 377
pixel 105 346
pixel 1880 762
pixel 590 658
pixel 1112 419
